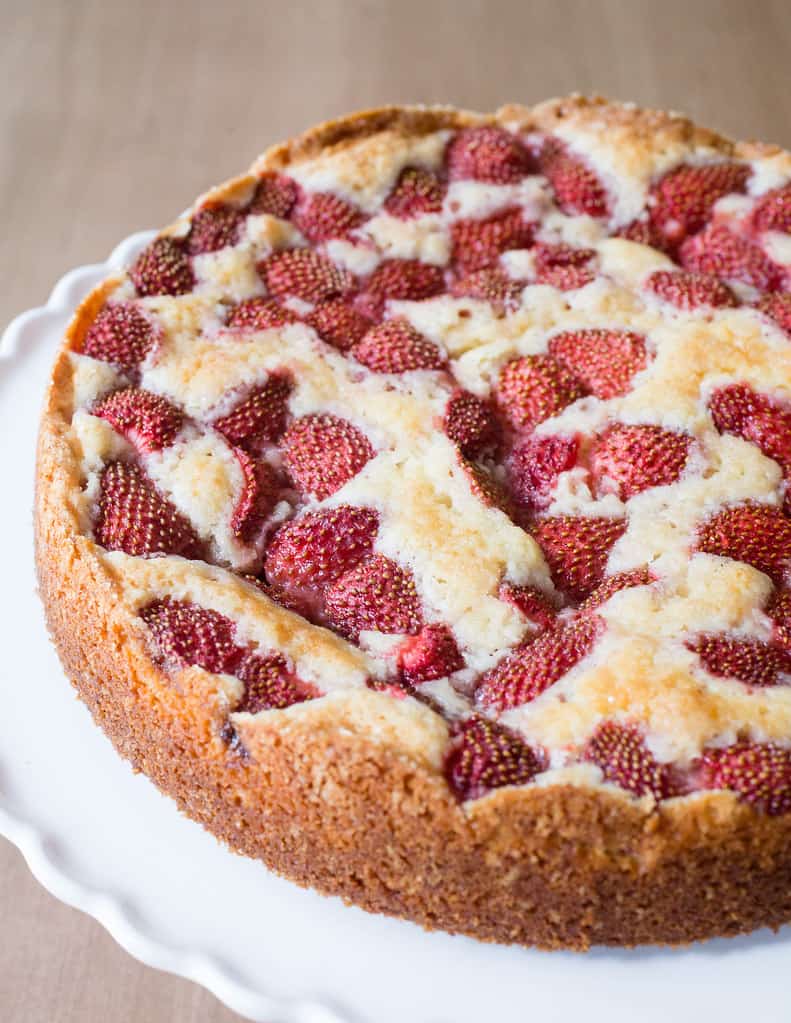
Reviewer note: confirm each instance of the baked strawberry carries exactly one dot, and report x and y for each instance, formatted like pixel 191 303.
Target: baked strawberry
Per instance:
pixel 565 278
pixel 486 756
pixel 604 361
pixel 577 188
pixel 486 486
pixel 479 243
pixel 322 216
pixel 135 518
pixel 339 324
pixel 148 420
pixel 629 459
pixel 260 314
pixel 687 290
pixel 120 334
pixel 275 195
pixel 536 464
pixel 533 388
pixel 682 201
pixel 758 534
pixel 576 549
pixel 395 346
pixel 531 602
pixel 760 773
pixel 405 279
pixel 487 154
pixel 214 227
pixel 260 418
pixel 376 595
pixel 470 422
pixel 322 453
pixel 779 611
pixel 258 498
pixel 187 634
pixel 625 760
pixel 162 269
pixel 269 684
pixel 614 584
pixel 304 274
pixel 643 232
pixel 738 409
pixel 490 285
pixel 432 654
pixel 417 191
pixel 748 660
pixel 773 210
pixel 534 666
pixel 778 308
pixel 319 547
pixel 718 251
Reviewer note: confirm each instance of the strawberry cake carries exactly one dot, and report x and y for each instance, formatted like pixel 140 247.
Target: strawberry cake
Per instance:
pixel 414 512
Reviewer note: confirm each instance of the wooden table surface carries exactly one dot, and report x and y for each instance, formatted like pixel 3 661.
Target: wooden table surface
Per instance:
pixel 115 115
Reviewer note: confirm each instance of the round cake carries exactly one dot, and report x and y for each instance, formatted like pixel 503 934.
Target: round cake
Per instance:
pixel 413 511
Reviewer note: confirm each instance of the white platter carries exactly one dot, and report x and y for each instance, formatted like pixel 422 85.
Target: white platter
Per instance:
pixel 107 842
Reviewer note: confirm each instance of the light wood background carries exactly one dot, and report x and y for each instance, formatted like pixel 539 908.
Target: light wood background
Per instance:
pixel 115 115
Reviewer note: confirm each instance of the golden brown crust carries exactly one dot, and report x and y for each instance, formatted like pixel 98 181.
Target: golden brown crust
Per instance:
pixel 554 866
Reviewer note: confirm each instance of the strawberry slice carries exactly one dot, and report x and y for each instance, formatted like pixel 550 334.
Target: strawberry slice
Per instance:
pixel 682 200
pixel 604 361
pixel 260 418
pixel 758 534
pixel 760 773
pixel 536 464
pixel 778 308
pixel 188 634
pixel 562 266
pixel 120 334
pixel 779 611
pixel 258 498
pixel 471 423
pixel 275 195
pixel 534 388
pixel 576 549
pixel 773 211
pixel 260 314
pixel 718 251
pixel 323 452
pixel 339 324
pixel 531 602
pixel 148 420
pixel 625 760
pixel 486 756
pixel 614 584
pixel 688 291
pixel 417 192
pixel 643 232
pixel 397 347
pixel 477 244
pixel 162 269
pixel 304 274
pixel 748 660
pixel 214 227
pixel 486 486
pixel 135 518
pixel 406 280
pixel 487 154
pixel 322 216
pixel 577 188
pixel 432 654
pixel 319 547
pixel 534 666
pixel 376 595
pixel 632 458
pixel 738 409
pixel 490 285
pixel 269 684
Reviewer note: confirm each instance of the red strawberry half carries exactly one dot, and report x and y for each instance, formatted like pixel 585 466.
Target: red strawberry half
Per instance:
pixel 187 634
pixel 491 285
pixel 432 654
pixel 260 418
pixel 773 211
pixel 562 266
pixel 604 361
pixel 758 534
pixel 487 154
pixel 258 498
pixel 323 216
pixel 397 347
pixel 614 584
pixel 323 452
pixel 533 667
pixel 486 486
pixel 339 324
pixel 576 549
pixel 135 518
pixel 643 232
pixel 531 602
pixel 259 314
pixel 148 420
pixel 275 195
pixel 536 464
pixel 269 684
pixel 625 760
pixel 485 756
pixel 534 388
pixel 577 188
pixel 304 274
pixel 682 200
pixel 479 243
pixel 162 269
pixel 687 290
pixel 471 423
pixel 748 660
pixel 755 417
pixel 779 611
pixel 416 192
pixel 376 595
pixel 120 334
pixel 214 227
pixel 632 458
pixel 760 773
pixel 778 308
pixel 405 279
pixel 718 251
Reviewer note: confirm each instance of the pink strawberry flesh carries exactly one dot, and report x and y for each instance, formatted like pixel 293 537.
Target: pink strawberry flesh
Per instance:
pixel 536 465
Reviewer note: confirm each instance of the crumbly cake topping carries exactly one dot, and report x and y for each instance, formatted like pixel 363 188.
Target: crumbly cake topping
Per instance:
pixel 490 419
